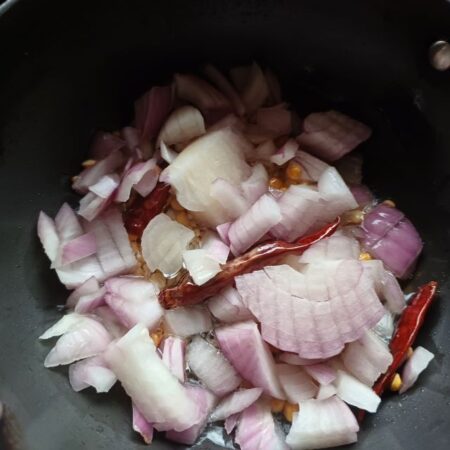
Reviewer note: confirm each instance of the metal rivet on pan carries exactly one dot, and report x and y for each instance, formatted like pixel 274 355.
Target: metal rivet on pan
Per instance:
pixel 439 55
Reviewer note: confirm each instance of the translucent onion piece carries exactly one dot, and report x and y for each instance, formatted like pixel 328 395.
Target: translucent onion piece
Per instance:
pixel 256 184
pixel 211 367
pixel 185 322
pixel 91 372
pixel 230 198
pixel 183 124
pixel 285 153
pixel 157 393
pixel 322 373
pixel 163 242
pixel 173 356
pixel 105 187
pixel 90 286
pixel 78 248
pixel 313 167
pixel 215 247
pixel 235 403
pixel 167 154
pixel 296 383
pixel 414 366
pixel 89 302
pixel 325 391
pixel 336 247
pixel 48 235
pixel 248 353
pixel 322 424
pixel 227 306
pixel 200 265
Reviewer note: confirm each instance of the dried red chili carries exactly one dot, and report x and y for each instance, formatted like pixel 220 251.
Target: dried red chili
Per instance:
pixel 187 293
pixel 408 327
pixel 143 209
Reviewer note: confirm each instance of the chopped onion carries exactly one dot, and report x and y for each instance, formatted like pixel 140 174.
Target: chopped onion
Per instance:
pixel 87 338
pixel 217 78
pixel 258 430
pixel 293 359
pixel 163 242
pixel 229 197
pixel 248 353
pixel 173 356
pixel 385 327
pixel 235 403
pixel 67 323
pixel 91 206
pixel 78 248
pixel 322 424
pixel 363 195
pixel 48 235
pixel 231 422
pixel 326 391
pixel 227 306
pixel 296 383
pixel 206 402
pixel 215 247
pixel 265 150
pixel 200 265
pixel 185 322
pixel 254 224
pixel 106 186
pixel 256 184
pixel 313 167
pixel 285 153
pixel 110 321
pixel 256 90
pixel 276 119
pixel 168 154
pixel 330 135
pixel 152 109
pixel 134 175
pixel 391 237
pixel 183 125
pixel 222 231
pixel 289 304
pixel 414 366
pixel 134 300
pixel 91 372
pixel 90 286
pixel 157 393
pixel 211 367
pixel 299 207
pixel 88 302
pixel 201 94
pixel 93 174
pixel 322 373
pixel 103 144
pixel 355 393
pixel 142 426
pixel 219 154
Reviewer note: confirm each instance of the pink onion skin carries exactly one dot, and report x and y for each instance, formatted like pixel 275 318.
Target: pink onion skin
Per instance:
pixel 363 195
pixel 152 109
pixel 257 430
pixel 414 366
pixel 142 426
pixel 248 353
pixel 78 248
pixel 391 237
pixel 173 356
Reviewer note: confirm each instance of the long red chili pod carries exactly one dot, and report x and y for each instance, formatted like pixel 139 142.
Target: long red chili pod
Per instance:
pixel 187 293
pixel 408 327
pixel 142 210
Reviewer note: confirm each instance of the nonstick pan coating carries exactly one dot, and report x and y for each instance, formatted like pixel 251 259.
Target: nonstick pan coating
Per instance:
pixel 69 68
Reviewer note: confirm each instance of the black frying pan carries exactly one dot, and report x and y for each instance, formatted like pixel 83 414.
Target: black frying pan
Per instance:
pixel 68 68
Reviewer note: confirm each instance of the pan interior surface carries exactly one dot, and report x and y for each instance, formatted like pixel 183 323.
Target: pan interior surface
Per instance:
pixel 70 68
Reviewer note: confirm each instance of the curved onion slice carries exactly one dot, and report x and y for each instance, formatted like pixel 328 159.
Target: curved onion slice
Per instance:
pixel 225 86
pixel 163 242
pixel 299 207
pixel 258 430
pixel 256 184
pixel 244 348
pixel 91 372
pixel 289 304
pixel 414 366
pixel 173 356
pixel 276 119
pixel 200 265
pixel 67 323
pixel 322 424
pixel 183 124
pixel 330 135
pixel 167 154
pixel 134 300
pixel 48 235
pixel 285 153
pixel 211 367
pixel 206 402
pixel 219 154
pixel 88 338
pixel 152 109
pixel 391 237
pixel 296 384
pixel 256 90
pixel 355 393
pixel 157 393
pixel 338 246
pixel 254 224
pixel 185 322
pixel 93 174
pixel 235 403
pixel 227 306
pixel 141 426
pixel 201 94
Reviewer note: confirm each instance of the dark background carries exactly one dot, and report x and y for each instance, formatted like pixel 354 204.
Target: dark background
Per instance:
pixel 69 68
